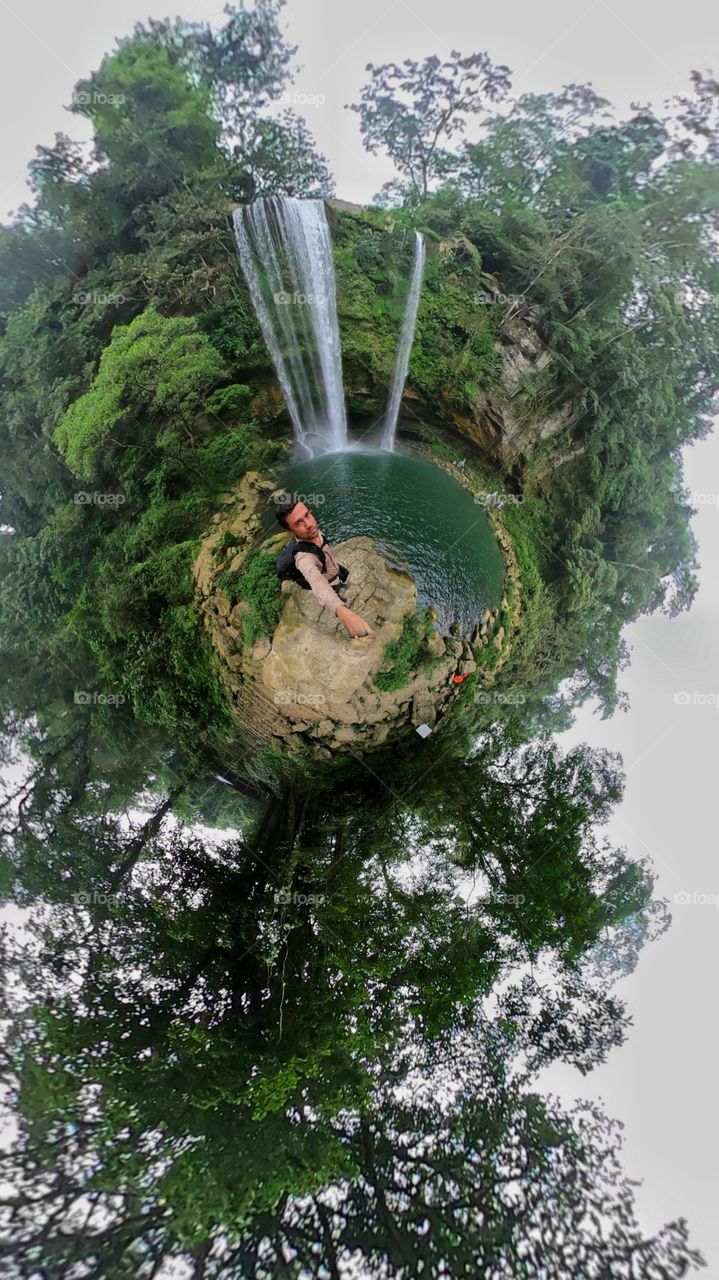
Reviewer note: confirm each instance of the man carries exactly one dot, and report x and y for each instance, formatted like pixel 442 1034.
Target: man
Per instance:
pixel 324 579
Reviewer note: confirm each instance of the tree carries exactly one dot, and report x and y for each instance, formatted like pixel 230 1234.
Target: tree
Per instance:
pixel 499 1184
pixel 413 111
pixel 157 368
pixel 314 1044
pixel 181 1002
pixel 463 1173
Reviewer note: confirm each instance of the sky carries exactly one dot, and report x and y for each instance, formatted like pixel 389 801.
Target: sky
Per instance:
pixel 661 1083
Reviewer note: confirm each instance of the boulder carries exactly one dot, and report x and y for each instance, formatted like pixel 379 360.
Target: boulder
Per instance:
pixel 311 653
pixel 423 710
pixel 261 649
pixel 309 687
pixel 436 644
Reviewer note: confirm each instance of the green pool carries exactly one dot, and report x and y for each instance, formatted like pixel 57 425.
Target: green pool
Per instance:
pixel 419 517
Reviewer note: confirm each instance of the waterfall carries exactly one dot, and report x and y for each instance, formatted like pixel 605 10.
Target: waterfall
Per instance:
pixel 405 346
pixel 285 250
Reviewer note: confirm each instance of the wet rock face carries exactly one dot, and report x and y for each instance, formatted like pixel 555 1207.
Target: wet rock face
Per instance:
pixel 493 414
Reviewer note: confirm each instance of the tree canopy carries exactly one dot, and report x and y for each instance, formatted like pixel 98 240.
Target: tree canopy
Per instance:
pixel 262 1018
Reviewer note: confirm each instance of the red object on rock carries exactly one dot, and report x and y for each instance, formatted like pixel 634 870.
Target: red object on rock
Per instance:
pixel 458 679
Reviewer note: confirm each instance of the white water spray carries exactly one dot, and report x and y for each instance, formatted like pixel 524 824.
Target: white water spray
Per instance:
pixel 285 250
pixel 408 327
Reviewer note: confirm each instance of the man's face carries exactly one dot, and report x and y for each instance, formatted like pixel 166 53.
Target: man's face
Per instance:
pixel 302 523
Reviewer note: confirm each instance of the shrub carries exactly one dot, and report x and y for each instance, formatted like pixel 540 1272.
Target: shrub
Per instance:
pixel 258 587
pixel 408 652
pixel 230 401
pixel 154 370
pixel 225 458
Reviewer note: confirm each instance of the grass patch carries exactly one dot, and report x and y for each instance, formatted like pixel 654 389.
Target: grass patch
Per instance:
pixel 408 652
pixel 260 591
pixel 442 450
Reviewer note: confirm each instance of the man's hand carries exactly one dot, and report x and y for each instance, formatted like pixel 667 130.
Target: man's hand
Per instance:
pixel 356 626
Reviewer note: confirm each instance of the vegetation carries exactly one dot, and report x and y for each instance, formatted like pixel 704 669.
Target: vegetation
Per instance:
pixel 598 237
pixel 408 652
pixel 255 1019
pixel 275 994
pixel 258 588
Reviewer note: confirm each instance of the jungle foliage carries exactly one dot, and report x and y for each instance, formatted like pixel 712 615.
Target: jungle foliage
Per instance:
pixel 261 1018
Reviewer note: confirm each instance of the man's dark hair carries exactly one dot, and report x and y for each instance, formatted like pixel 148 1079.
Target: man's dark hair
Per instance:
pixel 282 510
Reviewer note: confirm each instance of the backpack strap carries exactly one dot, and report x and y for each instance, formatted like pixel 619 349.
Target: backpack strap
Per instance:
pixel 311 546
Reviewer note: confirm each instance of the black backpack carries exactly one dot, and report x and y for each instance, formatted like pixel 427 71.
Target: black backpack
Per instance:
pixel 287 569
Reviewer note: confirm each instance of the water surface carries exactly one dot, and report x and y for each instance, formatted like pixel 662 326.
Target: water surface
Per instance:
pixel 418 516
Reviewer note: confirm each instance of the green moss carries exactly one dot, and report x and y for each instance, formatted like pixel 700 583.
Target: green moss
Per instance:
pixel 535 644
pixel 443 450
pixel 227 542
pixel 229 401
pixel 168 358
pixel 259 589
pixel 408 652
pixel 454 357
pixel 227 455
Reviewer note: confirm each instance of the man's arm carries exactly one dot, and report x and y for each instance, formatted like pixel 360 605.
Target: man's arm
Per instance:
pixel 310 569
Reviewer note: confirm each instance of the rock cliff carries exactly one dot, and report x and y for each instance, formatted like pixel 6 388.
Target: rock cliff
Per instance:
pixel 476 349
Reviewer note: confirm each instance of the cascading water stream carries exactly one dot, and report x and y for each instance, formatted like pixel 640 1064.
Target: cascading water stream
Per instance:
pixel 285 250
pixel 407 338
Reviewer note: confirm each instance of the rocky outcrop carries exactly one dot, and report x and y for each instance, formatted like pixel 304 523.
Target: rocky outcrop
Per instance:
pixel 237 523
pixel 311 650
pixel 481 393
pixel 498 421
pixel 311 683
pixel 310 686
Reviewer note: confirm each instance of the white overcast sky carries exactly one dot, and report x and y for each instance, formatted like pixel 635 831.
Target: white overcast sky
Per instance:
pixel 662 1083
